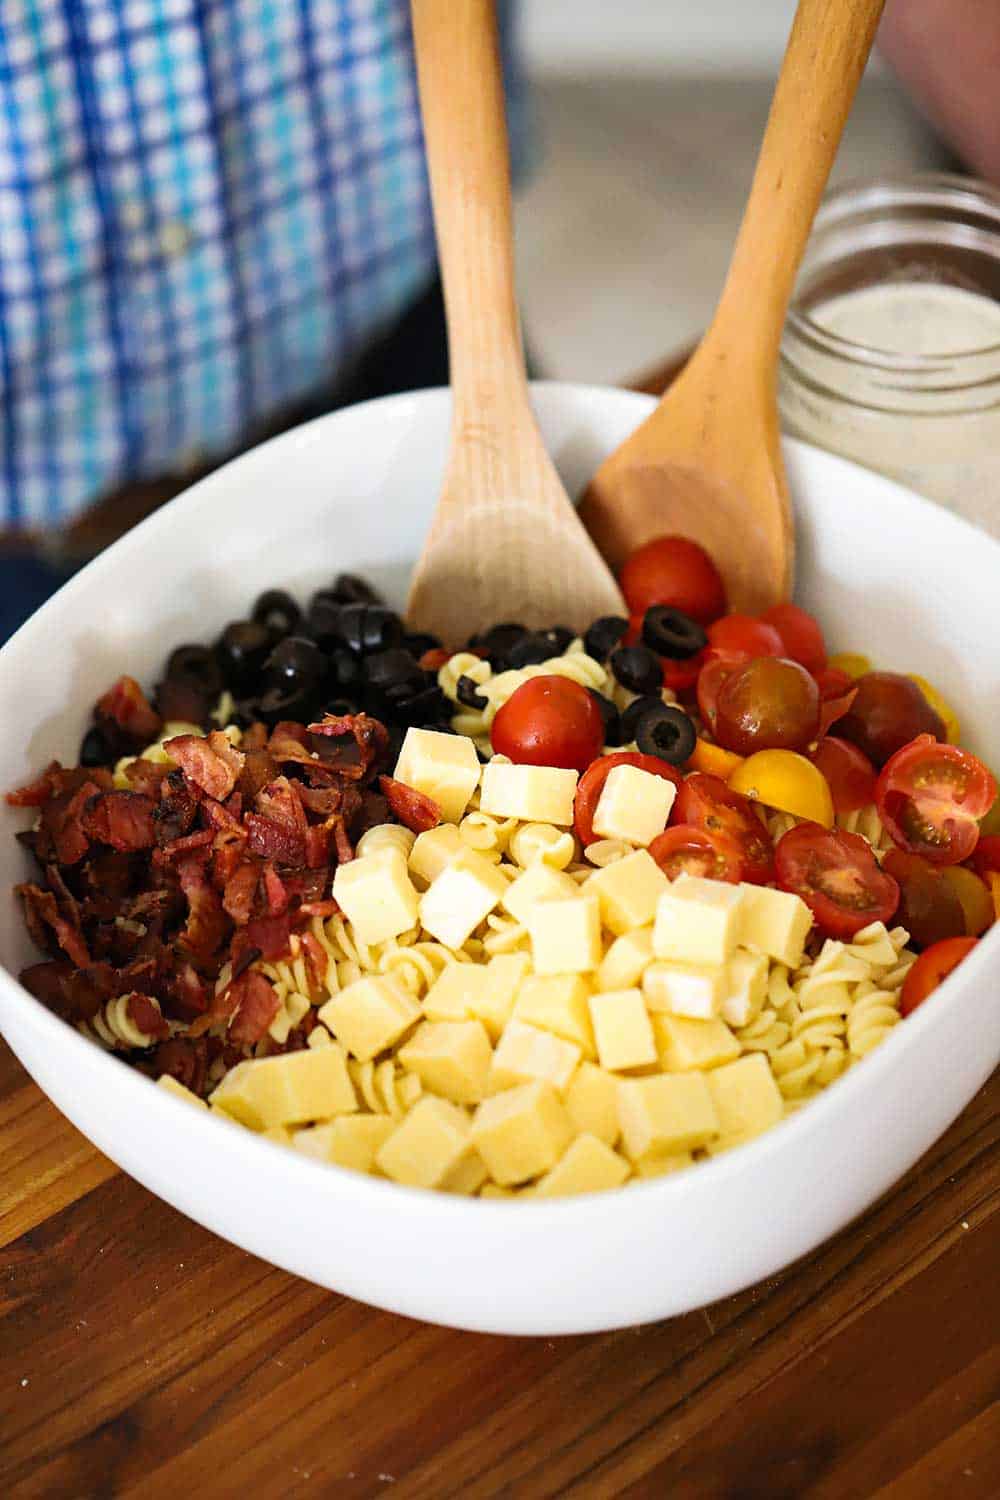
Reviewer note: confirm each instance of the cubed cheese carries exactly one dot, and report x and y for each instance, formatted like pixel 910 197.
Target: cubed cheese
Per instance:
pixel 747 1100
pixel 698 921
pixel 668 1113
pixel 623 964
pixel 351 1141
pixel 538 883
pixel 684 1044
pixel 434 849
pixel 376 895
pixel 287 1090
pixel 629 889
pixel 505 973
pixel 542 794
pixel 683 989
pixel 369 1015
pixel 522 1132
pixel 461 897
pixel 565 935
pixel 662 1163
pixel 432 1140
pixel 171 1086
pixel 526 1052
pixel 445 767
pixel 558 1003
pixel 451 1058
pixel 744 987
pixel 622 1030
pixel 634 805
pixel 774 922
pixel 468 1177
pixel 588 1166
pixel 592 1101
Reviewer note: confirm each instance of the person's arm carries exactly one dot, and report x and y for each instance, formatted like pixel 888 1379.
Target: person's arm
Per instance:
pixel 947 54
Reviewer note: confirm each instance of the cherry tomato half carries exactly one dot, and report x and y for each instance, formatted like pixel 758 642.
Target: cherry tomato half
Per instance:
pixel 674 570
pixel 837 876
pixel 931 796
pixel 706 802
pixel 986 859
pixel 549 721
pixel 850 773
pixel 800 634
pixel 744 633
pixel 767 704
pixel 929 908
pixel 931 969
pixel 716 668
pixel 976 898
pixel 591 784
pixel 888 712
pixel 687 850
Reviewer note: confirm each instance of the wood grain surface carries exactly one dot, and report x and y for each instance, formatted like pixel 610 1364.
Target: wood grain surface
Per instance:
pixel 140 1355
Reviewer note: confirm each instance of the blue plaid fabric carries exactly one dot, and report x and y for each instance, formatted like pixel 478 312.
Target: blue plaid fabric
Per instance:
pixel 207 207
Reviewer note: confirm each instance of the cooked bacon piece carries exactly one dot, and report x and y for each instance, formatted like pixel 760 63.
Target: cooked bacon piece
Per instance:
pixel 211 764
pixel 110 873
pixel 322 801
pixel 147 776
pixel 327 908
pixel 189 995
pixel 89 988
pixel 272 935
pixel 188 843
pixel 353 760
pixel 344 847
pixel 126 706
pixel 255 1006
pixel 317 846
pixel 185 1060
pixel 317 961
pixel 274 892
pixel 65 823
pixel 176 810
pixel 207 923
pixel 259 768
pixel 181 702
pixel 145 1014
pixel 122 819
pixel 255 737
pixel 41 913
pixel 277 830
pixel 307 885
pixel 47 982
pixel 37 793
pixel 413 809
pixel 240 890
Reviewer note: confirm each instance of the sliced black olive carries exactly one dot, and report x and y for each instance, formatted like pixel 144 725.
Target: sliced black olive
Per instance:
pixel 97 748
pixel 345 666
pixel 348 588
pixel 558 638
pixel 467 692
pixel 295 665
pixel 293 702
pixel 339 707
pixel 392 668
pixel 369 627
pixel 197 665
pixel 323 619
pixel 428 709
pixel 241 651
pixel 637 668
pixel 419 641
pixel 180 699
pixel 612 721
pixel 670 632
pixel 497 642
pixel 635 711
pixel 529 651
pixel 603 636
pixel 278 612
pixel 667 732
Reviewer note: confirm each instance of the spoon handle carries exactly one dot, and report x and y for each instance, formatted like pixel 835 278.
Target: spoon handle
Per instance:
pixel 462 103
pixel 823 63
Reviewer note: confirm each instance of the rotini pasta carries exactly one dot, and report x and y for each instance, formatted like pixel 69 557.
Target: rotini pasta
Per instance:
pixel 116 1026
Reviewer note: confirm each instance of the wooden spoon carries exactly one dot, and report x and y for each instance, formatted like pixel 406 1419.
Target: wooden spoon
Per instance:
pixel 707 462
pixel 505 542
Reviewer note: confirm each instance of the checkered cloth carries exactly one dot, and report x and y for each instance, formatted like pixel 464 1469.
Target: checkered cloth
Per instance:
pixel 207 207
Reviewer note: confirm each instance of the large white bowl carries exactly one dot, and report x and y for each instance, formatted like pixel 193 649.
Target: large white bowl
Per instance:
pixel 887 572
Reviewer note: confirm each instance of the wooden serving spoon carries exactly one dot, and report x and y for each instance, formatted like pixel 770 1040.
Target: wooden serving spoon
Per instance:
pixel 707 462
pixel 505 542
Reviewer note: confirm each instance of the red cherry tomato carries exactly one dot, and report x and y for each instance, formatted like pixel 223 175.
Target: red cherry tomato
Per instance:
pixel 674 570
pixel 767 704
pixel 800 634
pixel 930 797
pixel 591 784
pixel 707 803
pixel 744 633
pixel 549 721
pixel 851 775
pixel 833 683
pixel 931 969
pixel 681 676
pixel 833 707
pixel 986 859
pixel 888 712
pixel 929 909
pixel 716 668
pixel 837 876
pixel 687 850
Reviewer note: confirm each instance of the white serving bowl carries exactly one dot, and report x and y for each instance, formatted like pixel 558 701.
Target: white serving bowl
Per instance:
pixel 888 573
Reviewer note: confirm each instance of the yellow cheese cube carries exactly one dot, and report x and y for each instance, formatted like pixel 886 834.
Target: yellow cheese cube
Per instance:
pixel 744 987
pixel 525 1053
pixel 377 895
pixel 461 897
pixel 629 889
pixel 774 922
pixel 432 1140
pixel 588 1166
pixel 671 1112
pixel 171 1086
pixel 634 805
pixel 622 1029
pixel 494 1006
pixel 319 1037
pixel 468 1177
pixel 592 1101
pixel 684 1044
pixel 522 1132
pixel 747 1100
pixel 370 1014
pixel 661 1163
pixel 697 920
pixel 494 1190
pixel 287 1090
pixel 684 989
pixel 538 883
pixel 565 936
pixel 623 964
pixel 351 1141
pixel 535 794
pixel 279 1134
pixel 451 1058
pixel 435 849
pixel 445 767
pixel 558 1003
pixel 454 994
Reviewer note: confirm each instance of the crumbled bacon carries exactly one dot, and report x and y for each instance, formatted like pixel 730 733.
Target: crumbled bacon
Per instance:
pixel 41 913
pixel 413 809
pixel 207 923
pixel 211 764
pixel 188 843
pixel 272 935
pixel 274 892
pixel 145 1014
pixel 122 819
pixel 176 810
pixel 146 776
pixel 258 769
pixel 37 793
pixel 255 1006
pixel 184 1059
pixel 240 890
pixel 359 744
pixel 125 705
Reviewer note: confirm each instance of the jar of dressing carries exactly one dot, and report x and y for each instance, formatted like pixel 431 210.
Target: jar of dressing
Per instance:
pixel 891 350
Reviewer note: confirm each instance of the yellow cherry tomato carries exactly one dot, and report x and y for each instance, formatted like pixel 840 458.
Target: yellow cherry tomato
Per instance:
pixel 941 707
pixel 975 898
pixel 852 664
pixel 714 760
pixel 991 822
pixel 785 780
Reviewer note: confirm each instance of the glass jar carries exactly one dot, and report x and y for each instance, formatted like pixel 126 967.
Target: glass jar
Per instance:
pixel 891 350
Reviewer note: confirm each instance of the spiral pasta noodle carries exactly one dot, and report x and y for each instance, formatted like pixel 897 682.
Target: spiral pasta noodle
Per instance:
pixel 115 1028
pixel 386 836
pixel 383 1087
pixel 873 1015
pixel 555 847
pixel 489 836
pixel 866 822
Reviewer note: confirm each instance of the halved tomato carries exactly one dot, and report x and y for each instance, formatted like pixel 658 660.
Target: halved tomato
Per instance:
pixel 931 969
pixel 591 784
pixel 837 876
pixel 928 908
pixel 850 773
pixel 930 797
pixel 717 667
pixel 800 633
pixel 744 633
pixel 986 859
pixel 707 803
pixel 687 850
